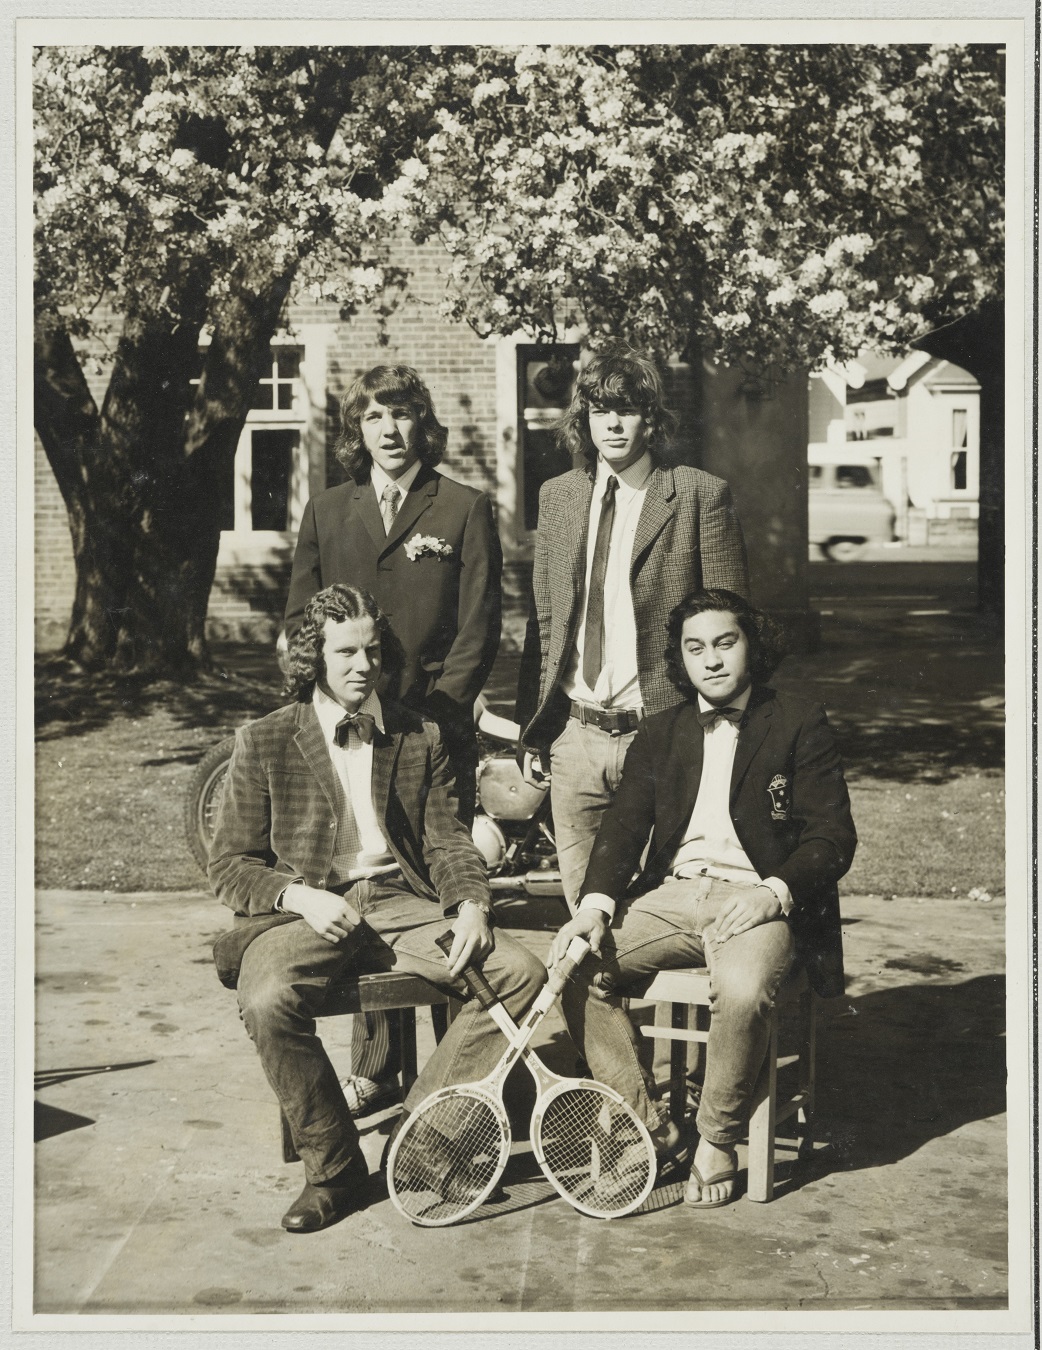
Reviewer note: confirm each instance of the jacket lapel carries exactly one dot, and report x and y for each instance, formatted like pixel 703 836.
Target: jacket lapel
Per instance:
pixel 420 498
pixel 568 550
pixel 686 757
pixel 654 515
pixel 312 745
pixel 750 737
pixel 368 511
pixel 385 753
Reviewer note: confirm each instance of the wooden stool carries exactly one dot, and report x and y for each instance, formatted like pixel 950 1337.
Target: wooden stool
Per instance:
pixel 386 991
pixel 685 990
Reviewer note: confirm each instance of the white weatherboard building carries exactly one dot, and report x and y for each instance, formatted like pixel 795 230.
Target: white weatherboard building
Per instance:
pixel 919 417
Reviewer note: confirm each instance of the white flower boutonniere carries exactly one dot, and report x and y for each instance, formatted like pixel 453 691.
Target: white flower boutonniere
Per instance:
pixel 426 546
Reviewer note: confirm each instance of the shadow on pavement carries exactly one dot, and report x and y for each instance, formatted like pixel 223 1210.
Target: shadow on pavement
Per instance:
pixel 900 1067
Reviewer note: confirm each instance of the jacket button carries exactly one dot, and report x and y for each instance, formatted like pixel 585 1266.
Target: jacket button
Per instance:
pixel 332 824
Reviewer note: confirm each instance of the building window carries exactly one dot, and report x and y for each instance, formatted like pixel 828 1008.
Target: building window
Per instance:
pixel 265 486
pixel 545 381
pixel 960 429
pixel 958 470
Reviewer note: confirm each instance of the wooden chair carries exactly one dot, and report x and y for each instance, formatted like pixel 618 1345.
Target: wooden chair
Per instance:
pixel 386 991
pixel 687 992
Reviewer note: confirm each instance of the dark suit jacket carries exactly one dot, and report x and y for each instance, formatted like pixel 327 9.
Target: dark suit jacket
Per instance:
pixel 688 536
pixel 789 805
pixel 444 611
pixel 277 821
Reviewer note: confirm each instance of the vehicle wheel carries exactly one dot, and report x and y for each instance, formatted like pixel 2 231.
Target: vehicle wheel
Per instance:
pixel 845 550
pixel 204 797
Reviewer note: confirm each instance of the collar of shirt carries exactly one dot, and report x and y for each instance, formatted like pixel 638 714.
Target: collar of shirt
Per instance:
pixel 741 702
pixel 634 478
pixel 380 480
pixel 329 712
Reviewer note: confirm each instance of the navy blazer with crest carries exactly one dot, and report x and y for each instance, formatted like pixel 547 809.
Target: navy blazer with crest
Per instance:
pixel 789 804
pixel 444 610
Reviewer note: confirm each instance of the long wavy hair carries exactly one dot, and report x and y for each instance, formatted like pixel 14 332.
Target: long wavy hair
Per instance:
pixel 617 377
pixel 306 665
pixel 767 645
pixel 389 385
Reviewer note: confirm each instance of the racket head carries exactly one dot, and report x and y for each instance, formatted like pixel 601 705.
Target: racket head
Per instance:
pixel 593 1148
pixel 447 1157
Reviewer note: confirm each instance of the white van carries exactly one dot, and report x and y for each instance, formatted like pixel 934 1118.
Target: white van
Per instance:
pixel 846 508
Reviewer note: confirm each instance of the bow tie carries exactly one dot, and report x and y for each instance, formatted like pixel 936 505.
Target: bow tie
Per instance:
pixel 711 716
pixel 363 723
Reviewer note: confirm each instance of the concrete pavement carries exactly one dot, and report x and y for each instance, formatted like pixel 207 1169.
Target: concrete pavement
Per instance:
pixel 159 1182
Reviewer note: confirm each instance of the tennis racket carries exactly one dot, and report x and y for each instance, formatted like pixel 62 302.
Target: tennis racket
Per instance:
pixel 589 1143
pixel 449 1154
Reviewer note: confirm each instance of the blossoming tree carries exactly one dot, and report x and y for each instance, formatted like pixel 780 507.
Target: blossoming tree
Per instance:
pixel 180 191
pixel 776 205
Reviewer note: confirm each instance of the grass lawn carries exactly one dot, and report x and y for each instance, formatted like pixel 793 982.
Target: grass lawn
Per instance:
pixel 916 704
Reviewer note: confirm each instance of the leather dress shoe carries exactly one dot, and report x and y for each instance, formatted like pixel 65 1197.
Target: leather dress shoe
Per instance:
pixel 322 1204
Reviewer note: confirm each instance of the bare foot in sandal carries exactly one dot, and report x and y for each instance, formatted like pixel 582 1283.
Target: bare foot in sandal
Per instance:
pixel 714 1174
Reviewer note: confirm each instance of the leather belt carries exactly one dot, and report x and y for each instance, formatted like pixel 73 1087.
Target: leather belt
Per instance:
pixel 615 721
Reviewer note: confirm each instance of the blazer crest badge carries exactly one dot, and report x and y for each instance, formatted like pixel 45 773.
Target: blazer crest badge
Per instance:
pixel 779 789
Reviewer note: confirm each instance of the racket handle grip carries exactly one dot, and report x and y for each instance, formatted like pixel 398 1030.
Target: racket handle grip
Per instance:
pixel 560 973
pixel 473 979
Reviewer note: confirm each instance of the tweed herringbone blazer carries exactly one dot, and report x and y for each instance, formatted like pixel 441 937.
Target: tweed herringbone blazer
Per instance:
pixel 688 536
pixel 278 817
pixel 788 801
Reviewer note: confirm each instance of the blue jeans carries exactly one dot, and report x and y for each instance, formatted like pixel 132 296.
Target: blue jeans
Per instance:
pixel 287 970
pixel 586 768
pixel 669 927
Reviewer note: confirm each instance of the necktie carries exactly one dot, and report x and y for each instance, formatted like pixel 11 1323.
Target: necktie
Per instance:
pixel 711 716
pixel 593 637
pixel 389 502
pixel 363 723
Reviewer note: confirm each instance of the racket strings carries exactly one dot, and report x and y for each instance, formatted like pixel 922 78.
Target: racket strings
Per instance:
pixel 595 1151
pixel 447 1158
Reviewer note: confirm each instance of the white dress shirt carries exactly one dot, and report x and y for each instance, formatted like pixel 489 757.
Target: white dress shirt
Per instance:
pixel 360 849
pixel 380 480
pixel 617 685
pixel 710 846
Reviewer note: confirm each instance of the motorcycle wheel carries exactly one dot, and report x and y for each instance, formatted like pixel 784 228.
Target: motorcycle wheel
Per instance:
pixel 204 797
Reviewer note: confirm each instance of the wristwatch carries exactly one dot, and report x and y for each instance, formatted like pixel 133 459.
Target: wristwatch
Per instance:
pixel 485 908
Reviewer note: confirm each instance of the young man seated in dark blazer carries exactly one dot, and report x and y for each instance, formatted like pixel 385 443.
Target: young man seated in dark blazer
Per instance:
pixel 741 792
pixel 339 846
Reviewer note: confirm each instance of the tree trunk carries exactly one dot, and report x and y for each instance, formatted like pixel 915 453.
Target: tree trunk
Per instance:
pixel 140 479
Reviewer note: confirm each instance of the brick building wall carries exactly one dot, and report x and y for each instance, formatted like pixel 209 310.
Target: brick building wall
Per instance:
pixel 250 588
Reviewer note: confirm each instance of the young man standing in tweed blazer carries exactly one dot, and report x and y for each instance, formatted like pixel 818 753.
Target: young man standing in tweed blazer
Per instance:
pixel 339 847
pixel 621 540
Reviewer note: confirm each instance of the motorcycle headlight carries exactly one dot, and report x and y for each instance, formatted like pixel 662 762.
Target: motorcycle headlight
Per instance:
pixel 490 840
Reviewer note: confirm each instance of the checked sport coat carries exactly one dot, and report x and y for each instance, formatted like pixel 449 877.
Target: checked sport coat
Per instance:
pixel 788 801
pixel 278 817
pixel 688 537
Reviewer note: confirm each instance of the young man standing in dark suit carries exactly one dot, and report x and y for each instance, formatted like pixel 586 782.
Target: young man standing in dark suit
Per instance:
pixel 339 846
pixel 620 541
pixel 741 792
pixel 426 548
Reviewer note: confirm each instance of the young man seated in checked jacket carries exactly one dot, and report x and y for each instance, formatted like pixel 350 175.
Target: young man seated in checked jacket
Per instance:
pixel 339 848
pixel 741 792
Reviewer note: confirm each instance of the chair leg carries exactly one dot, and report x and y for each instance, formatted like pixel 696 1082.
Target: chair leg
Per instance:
pixel 408 1035
pixel 808 1071
pixel 289 1149
pixel 678 1065
pixel 762 1122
